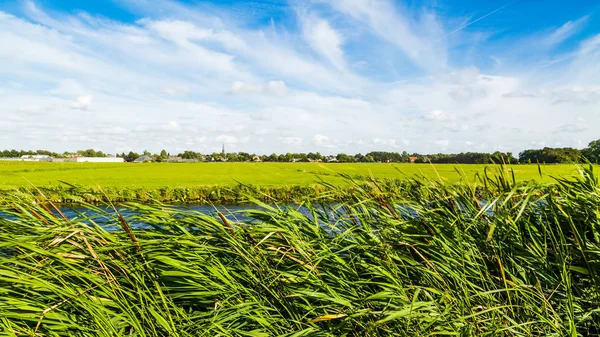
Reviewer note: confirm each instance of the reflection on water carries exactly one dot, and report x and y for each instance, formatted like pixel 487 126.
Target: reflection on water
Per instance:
pixel 108 219
pixel 144 217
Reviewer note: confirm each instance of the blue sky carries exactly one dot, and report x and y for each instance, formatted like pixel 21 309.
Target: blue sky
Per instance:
pixel 298 76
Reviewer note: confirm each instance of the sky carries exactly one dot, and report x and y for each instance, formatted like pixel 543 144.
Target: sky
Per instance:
pixel 333 76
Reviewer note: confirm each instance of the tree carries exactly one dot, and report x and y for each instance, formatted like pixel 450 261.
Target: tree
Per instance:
pixel 592 152
pixel 344 158
pixel 243 156
pixel 550 155
pixel 131 156
pixel 189 155
pixel 232 157
pixel 87 153
pixel 405 157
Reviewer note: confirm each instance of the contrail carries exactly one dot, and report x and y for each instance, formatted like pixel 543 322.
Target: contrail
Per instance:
pixel 481 18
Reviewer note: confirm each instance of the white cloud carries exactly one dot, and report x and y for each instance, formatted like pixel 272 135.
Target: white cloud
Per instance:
pixel 277 88
pixel 82 102
pixel 114 130
pixel 421 41
pixel 193 79
pixel 325 40
pixel 322 141
pixel 571 128
pixel 437 115
pixel 239 87
pixel 442 143
pixel 232 140
pixel 68 87
pixel 390 142
pixel 172 125
pixel 261 132
pixel 566 31
pixel 456 127
pixel 291 141
pixel 183 32
pixel 175 90
pixel 31 109
pixel 184 36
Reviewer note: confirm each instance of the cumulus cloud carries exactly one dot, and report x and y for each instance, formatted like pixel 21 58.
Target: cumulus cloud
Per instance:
pixel 82 102
pixel 322 141
pixel 437 115
pixel 172 125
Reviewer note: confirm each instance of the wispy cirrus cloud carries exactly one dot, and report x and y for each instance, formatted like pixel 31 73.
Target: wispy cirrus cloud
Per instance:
pixel 323 39
pixel 334 76
pixel 421 40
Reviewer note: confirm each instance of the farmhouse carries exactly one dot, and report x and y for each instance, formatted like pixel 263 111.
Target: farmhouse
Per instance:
pixel 331 159
pixel 174 159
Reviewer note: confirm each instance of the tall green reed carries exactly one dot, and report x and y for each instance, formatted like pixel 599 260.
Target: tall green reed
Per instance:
pixel 415 259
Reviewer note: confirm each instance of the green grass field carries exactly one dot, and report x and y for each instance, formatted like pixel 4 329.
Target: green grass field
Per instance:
pixel 152 175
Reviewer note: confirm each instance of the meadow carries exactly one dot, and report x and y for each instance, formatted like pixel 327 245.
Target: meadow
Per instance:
pixel 154 175
pixel 432 259
pixel 228 183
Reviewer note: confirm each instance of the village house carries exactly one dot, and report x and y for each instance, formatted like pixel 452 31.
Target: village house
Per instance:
pixel 174 159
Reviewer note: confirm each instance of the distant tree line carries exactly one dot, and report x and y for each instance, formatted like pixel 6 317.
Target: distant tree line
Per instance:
pixel 545 155
pixel 469 158
pixel 80 153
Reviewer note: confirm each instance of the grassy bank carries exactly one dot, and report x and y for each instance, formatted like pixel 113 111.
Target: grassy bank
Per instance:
pixel 430 260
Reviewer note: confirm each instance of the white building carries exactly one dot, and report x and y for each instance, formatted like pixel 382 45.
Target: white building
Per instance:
pixel 99 160
pixel 37 157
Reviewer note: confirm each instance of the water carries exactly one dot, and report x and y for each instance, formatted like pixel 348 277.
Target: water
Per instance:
pixel 107 218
